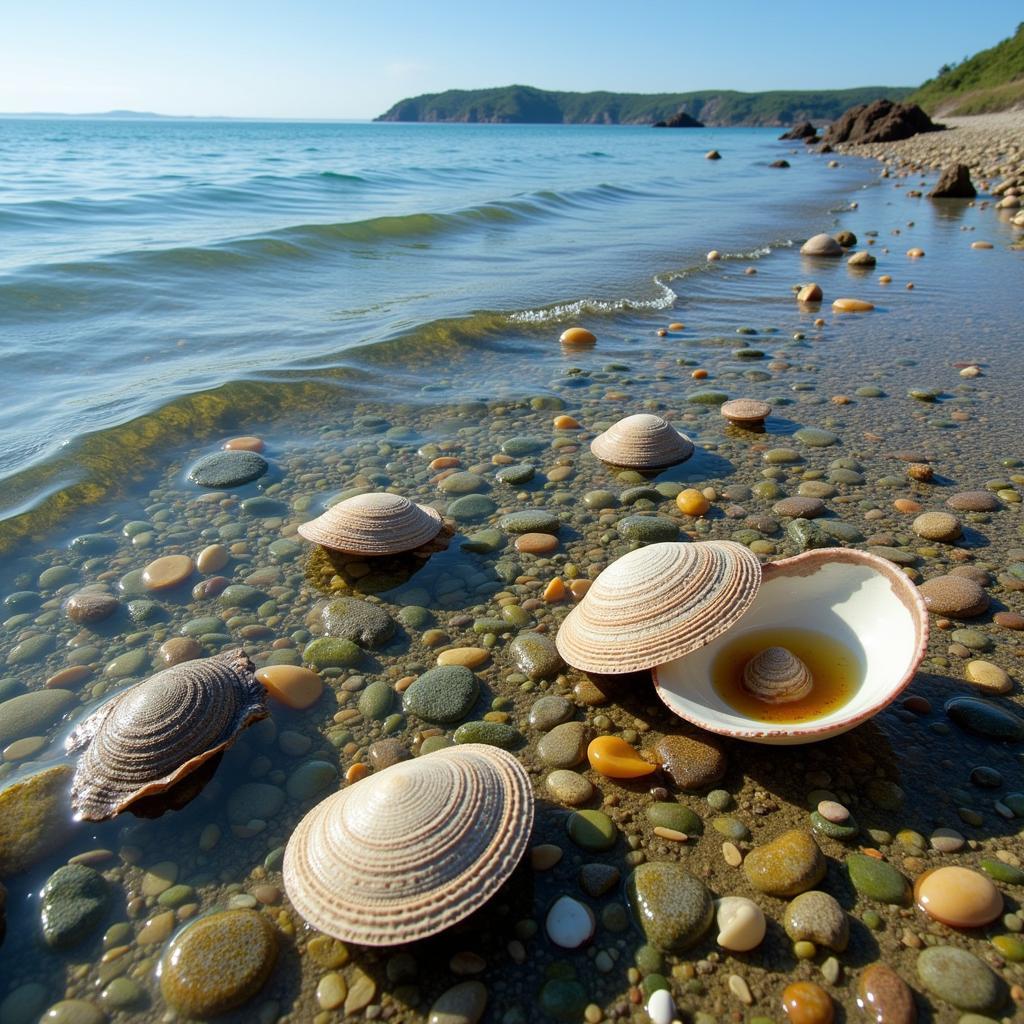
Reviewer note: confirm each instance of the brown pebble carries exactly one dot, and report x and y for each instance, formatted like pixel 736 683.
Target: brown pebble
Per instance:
pixel 89 606
pixel 885 997
pixel 1009 620
pixel 167 572
pixel 974 501
pixel 536 543
pixel 693 762
pixel 178 649
pixel 954 595
pixel 68 677
pixel 245 444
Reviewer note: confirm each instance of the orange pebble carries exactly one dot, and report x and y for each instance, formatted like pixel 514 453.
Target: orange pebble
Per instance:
pixel 807 1003
pixel 616 759
pixel 661 332
pixel 906 505
pixel 244 444
pixel 555 591
pixel 699 374
pixel 677 327
pixel 566 423
pixel 692 503
pixel 915 254
pixel 958 897
pixel 840 400
pixel 577 336
pixel 356 772
pixel 292 685
pixel 910 286
pixel 579 587
pixel 444 462
pixel 819 322
pixel 885 279
pixel 70 676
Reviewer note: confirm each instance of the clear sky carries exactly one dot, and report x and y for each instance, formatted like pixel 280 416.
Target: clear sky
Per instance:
pixel 354 58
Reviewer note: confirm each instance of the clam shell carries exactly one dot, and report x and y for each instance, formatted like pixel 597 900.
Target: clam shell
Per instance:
pixel 745 410
pixel 777 675
pixel 413 849
pixel 658 603
pixel 374 524
pixel 149 737
pixel 643 441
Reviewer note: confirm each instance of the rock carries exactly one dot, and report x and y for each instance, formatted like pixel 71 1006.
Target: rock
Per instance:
pixel 32 648
pixel 973 501
pixel 168 572
pixel 810 293
pixel 987 676
pixel 663 814
pixel 712 154
pixel 549 711
pixel 847 239
pixel 940 526
pixel 779 163
pixel 88 606
pixel 954 183
pixel 471 508
pixel 660 1007
pixel 218 962
pixel 34 818
pixel 294 686
pixel 496 734
pixel 806 1002
pixel 351 619
pixel 680 119
pixel 817 917
pixel 880 121
pixel 464 483
pixel 598 879
pixel 985 718
pixel 954 595
pixel 254 800
pixel 740 922
pixel 535 655
pixel 530 521
pixel 463 657
pixel 961 979
pixel 821 245
pixel 958 897
pixel 569 923
pixel 694 762
pixel 33 713
pixel 74 1011
pixel 569 787
pixel 521 473
pixel 223 470
pixel 331 652
pixel 461 1004
pixel 73 904
pixel 179 649
pixel 592 830
pixel 311 779
pixel 672 907
pixel 877 880
pixel 384 753
pixel 565 746
pixel 787 866
pixel 800 508
pixel 445 694
pixel 885 997
pixel 861 259
pixel 801 130
pixel 376 700
pixel 648 529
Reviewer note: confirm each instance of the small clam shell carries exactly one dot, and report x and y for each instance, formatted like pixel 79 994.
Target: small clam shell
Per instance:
pixel 643 441
pixel 745 410
pixel 374 524
pixel 777 676
pixel 413 849
pixel 658 603
pixel 151 736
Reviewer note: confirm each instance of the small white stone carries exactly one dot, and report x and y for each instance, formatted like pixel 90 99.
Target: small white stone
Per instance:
pixel 741 924
pixel 569 923
pixel 660 1007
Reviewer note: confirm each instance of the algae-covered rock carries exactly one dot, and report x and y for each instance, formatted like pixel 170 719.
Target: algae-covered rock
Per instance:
pixel 35 818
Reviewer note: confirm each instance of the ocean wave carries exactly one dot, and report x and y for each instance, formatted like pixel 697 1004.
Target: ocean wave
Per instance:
pixel 563 311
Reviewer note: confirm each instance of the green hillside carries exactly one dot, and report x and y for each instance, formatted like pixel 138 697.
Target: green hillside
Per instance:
pixel 523 104
pixel 990 80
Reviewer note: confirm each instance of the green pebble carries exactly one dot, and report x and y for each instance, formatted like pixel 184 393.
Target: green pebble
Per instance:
pixel 824 827
pixel 731 828
pixel 1011 947
pixel 176 896
pixel 376 700
pixel 877 880
pixel 495 734
pixel 1005 873
pixel 674 816
pixel 719 800
pixel 592 830
pixel 563 999
pixel 331 652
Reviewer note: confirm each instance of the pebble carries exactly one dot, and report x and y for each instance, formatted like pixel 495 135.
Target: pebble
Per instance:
pixel 33 818
pixel 807 1003
pixel 787 866
pixel 648 529
pixel 940 526
pixel 973 501
pixel 464 657
pixel 984 718
pixel 366 624
pixel 178 649
pixel 660 1007
pixel 672 907
pixel 31 714
pixel 884 997
pixel 291 685
pixel 877 880
pixel 310 780
pixel 218 962
pixel 331 652
pixel 495 734
pixel 530 521
pixel 598 879
pixel 959 978
pixel 569 923
pixel 376 701
pixel 816 917
pixel 73 903
pixel 800 508
pixel 958 897
pixel 565 746
pixel 89 606
pixel 227 469
pixel 73 1011
pixel 813 437
pixel 167 572
pixel 259 800
pixel 549 711
pixel 740 922
pixel 536 543
pixel 24 1004
pixel 614 758
pixel 954 595
pixel 536 656
pixel 946 840
pixel 592 830
pixel 693 762
pixel 833 811
pixel 212 558
pixel 331 991
pixel 461 1004
pixel 569 787
pixel 666 815
pixel 1009 620
pixel 988 677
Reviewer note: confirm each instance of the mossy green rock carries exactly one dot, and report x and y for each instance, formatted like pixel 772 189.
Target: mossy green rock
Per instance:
pixel 877 880
pixel 32 714
pixel 674 816
pixel 961 979
pixel 471 507
pixel 484 541
pixel 1006 873
pixel 593 830
pixel 787 866
pixel 73 903
pixel 495 734
pixel 34 818
pixel 530 521
pixel 673 908
pixel 376 700
pixel 536 656
pixel 331 652
pixel 444 695
pixel 363 623
pixel 254 800
pixel 311 779
pixel 648 529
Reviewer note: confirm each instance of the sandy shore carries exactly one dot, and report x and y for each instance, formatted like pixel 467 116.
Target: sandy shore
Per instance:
pixel 991 145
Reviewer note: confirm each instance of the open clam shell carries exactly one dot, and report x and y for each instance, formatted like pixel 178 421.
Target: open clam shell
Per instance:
pixel 658 603
pixel 643 441
pixel 147 739
pixel 374 524
pixel 862 600
pixel 413 849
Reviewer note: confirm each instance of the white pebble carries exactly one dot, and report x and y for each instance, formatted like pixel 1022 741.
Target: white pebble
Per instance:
pixel 569 923
pixel 660 1007
pixel 741 923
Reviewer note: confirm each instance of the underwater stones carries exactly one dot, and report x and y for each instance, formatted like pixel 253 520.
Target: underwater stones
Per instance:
pixel 984 718
pixel 565 745
pixel 461 1004
pixel 177 649
pixel 351 619
pixel 294 686
pixel 376 700
pixel 877 880
pixel 799 507
pixel 814 437
pixel 809 293
pixel 88 606
pixel 167 572
pixel 32 713
pixel 311 779
pixel 973 501
pixel 958 897
pixel 852 306
pixel 821 245
pixel 958 596
pixel 535 655
pixel 471 507
pixel 960 979
pixel 464 482
pixel 445 694
pixel 32 648
pixel 73 902
pixel 672 907
pixel 648 529
pixel 884 997
pixel 253 801
pixel 787 866
pixel 816 917
pixel 226 469
pixel 33 818
pixel 218 962
pixel 861 259
pixel 694 762
pixel 331 652
pixel 535 543
pixel 532 520
pixel 940 526
pixel 740 922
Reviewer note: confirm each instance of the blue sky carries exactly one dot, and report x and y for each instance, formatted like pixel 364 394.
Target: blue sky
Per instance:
pixel 345 59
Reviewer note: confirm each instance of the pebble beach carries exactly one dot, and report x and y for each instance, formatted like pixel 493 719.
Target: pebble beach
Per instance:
pixel 876 876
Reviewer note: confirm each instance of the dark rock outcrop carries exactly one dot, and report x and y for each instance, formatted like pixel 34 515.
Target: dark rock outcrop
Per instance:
pixel 803 130
pixel 954 183
pixel 779 163
pixel 680 119
pixel 881 121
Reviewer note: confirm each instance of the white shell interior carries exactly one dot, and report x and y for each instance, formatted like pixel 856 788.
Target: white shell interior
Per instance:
pixel 853 603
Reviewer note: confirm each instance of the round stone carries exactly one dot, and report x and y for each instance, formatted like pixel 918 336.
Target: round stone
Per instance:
pixel 798 507
pixel 987 676
pixel 592 830
pixel 294 686
pixel 815 438
pixel 672 907
pixel 787 866
pixel 167 572
pixel 212 558
pixel 974 501
pixel 549 711
pixel 33 713
pixel 359 621
pixel 376 700
pixel 885 997
pixel 693 762
pixel 495 734
pixel 569 923
pixel 73 902
pixel 981 717
pixel 535 655
pixel 569 787
pixel 565 746
pixel 648 529
pixel 461 1004
pixel 73 1011
pixel 817 917
pixel 178 649
pixel 536 543
pixel 254 800
pixel 954 595
pixel 940 526
pixel 876 879
pixel 331 652
pixel 445 694
pixel 960 979
pixel 958 897
pixel 89 606
pixel 463 483
pixel 807 1003
pixel 530 521
pixel 740 922
pixel 223 470
pixel 218 963
pixel 663 814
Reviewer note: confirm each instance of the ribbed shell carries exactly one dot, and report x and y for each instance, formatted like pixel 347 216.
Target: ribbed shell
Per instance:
pixel 374 524
pixel 777 676
pixel 643 441
pixel 411 850
pixel 147 738
pixel 745 410
pixel 658 603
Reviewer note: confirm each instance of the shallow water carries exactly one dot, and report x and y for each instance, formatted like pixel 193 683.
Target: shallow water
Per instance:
pixel 466 387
